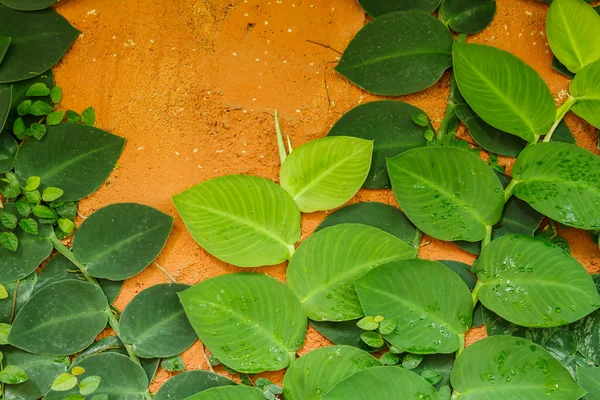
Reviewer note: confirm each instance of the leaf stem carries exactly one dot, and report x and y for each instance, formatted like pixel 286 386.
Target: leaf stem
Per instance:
pixel 280 145
pixel 475 293
pixel 462 345
pixel 508 192
pixel 560 114
pixel 488 236
pixel 449 115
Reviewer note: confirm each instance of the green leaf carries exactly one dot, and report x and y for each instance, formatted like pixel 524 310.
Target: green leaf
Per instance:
pixel 387 326
pixel 122 378
pixel 502 367
pixel 341 333
pixel 258 318
pixel 390 126
pixel 367 324
pixel 242 220
pixel 19 90
pixel 447 192
pixel 51 193
pixel 4 332
pixel 317 372
pixel 44 212
pixel 120 240
pixel 3 292
pixel 173 364
pixel 89 385
pixel 23 207
pixel 38 89
pixel 383 383
pixel 5 98
pixel 23 107
pixel 66 225
pixel 64 382
pixel 432 304
pixel 412 361
pixel 589 379
pixel 229 393
pixel 587 331
pixel 573 29
pixel 441 364
pixel 88 116
pixel 29 226
pixel 8 151
pixel 8 220
pixel 32 183
pixel 55 118
pixel 503 90
pixel 155 324
pixel 19 126
pixel 372 339
pixel 38 131
pixel 21 292
pixel 72 116
pixel 414 55
pixel 39 40
pixel 12 375
pixel 325 173
pixel 562 181
pixel 431 376
pixel 9 241
pixel 56 94
pixel 376 8
pixel 74 157
pixel 4 44
pixel 532 283
pixel 389 358
pixel 189 383
pixel 586 89
pixel 462 270
pixel 28 5
pixel 40 108
pixel 68 314
pixel 323 270
pixel 468 16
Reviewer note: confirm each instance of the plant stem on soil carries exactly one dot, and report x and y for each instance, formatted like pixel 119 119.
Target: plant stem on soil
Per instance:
pixel 560 114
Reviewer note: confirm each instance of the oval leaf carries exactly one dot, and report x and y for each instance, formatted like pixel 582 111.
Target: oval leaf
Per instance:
pixel 562 181
pixel 585 87
pixel 5 100
pixel 250 322
pixel 229 393
pixel 28 5
pixel 414 55
pixel 8 151
pixel 431 303
pixel 447 192
pixel 73 157
pixel 155 324
pixel 375 8
pixel 325 173
pixel 533 283
pixel 468 16
pixel 242 220
pixel 505 367
pixel 120 240
pixel 61 319
pixel 188 383
pixel 503 90
pixel 390 126
pixel 22 291
pixel 323 270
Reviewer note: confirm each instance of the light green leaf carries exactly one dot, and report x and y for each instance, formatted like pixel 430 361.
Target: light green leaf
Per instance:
pixel 589 379
pixel 88 116
pixel 56 95
pixel 503 90
pixel 173 364
pixel 66 225
pixel 325 173
pixel 432 305
pixel 585 87
pixel 3 292
pixel 447 192
pixel 229 393
pixel 8 220
pixel 4 332
pixel 468 16
pixel 12 375
pixel 64 382
pixel 376 8
pixel 189 383
pixel 242 220
pixel 51 193
pixel 89 385
pixel 38 89
pixel 55 118
pixel 250 322
pixel 505 367
pixel 28 5
pixel 323 270
pixel 414 55
pixel 32 183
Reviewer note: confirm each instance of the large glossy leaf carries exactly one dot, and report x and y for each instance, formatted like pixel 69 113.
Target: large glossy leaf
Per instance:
pixel 376 8
pixel 504 367
pixel 587 331
pixel 21 291
pixel 379 215
pixel 229 393
pixel 586 88
pixel 323 270
pixel 503 90
pixel 531 282
pixel 383 383
pixel 398 53
pixel 341 332
pixel 462 270
pixel 431 303
pixel 41 372
pixel 447 192
pixel 573 29
pixel 5 103
pixel 73 157
pixel 38 41
pixel 242 220
pixel 155 324
pixel 250 322
pixel 120 240
pixel 468 16
pixel 390 126
pixel 121 378
pixel 440 363
pixel 589 379
pixel 189 383
pixel 4 44
pixel 317 372
pixel 325 173
pixel 562 181
pixel 28 5
pixel 61 319
pixel 8 151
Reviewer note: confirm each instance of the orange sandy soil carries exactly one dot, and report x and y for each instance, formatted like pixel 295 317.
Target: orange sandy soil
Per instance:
pixel 192 86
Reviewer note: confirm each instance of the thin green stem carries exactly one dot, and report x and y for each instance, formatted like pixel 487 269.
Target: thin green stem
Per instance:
pixel 508 192
pixel 560 114
pixel 475 293
pixel 449 116
pixel 417 239
pixel 280 145
pixel 462 345
pixel 488 236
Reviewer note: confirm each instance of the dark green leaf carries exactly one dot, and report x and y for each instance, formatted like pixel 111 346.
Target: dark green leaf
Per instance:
pixel 343 333
pixel 20 292
pixel 468 16
pixel 45 212
pixel 28 5
pixel 72 116
pixel 40 108
pixel 189 383
pixel 462 270
pixel 23 208
pixel 563 134
pixel 389 358
pixel 376 8
pixel 8 150
pixel 587 331
pixel 4 44
pixel 440 363
pixel 19 90
pixel 67 210
pixel 431 376
pixel 229 393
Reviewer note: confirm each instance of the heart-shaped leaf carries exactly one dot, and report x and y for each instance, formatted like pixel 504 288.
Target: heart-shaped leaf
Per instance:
pixel 250 322
pixel 325 173
pixel 155 324
pixel 120 240
pixel 390 126
pixel 447 192
pixel 38 41
pixel 21 291
pixel 585 87
pixel 229 393
pixel 187 384
pixel 376 8
pixel 323 270
pixel 121 378
pixel 28 5
pixel 73 157
pixel 431 303
pixel 503 90
pixel 383 383
pixel 398 53
pixel 562 181
pixel 468 16
pixel 505 367
pixel 573 29
pixel 242 220
pixel 589 379
pixel 531 282
pixel 61 319
pixel 317 372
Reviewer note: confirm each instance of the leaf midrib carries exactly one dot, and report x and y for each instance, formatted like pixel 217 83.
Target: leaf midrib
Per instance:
pixel 572 40
pixel 503 388
pixel 536 282
pixel 460 14
pixel 53 171
pixel 585 184
pixel 392 56
pixel 164 321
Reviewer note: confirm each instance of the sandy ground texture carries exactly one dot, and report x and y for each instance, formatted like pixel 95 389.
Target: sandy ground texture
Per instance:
pixel 192 86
